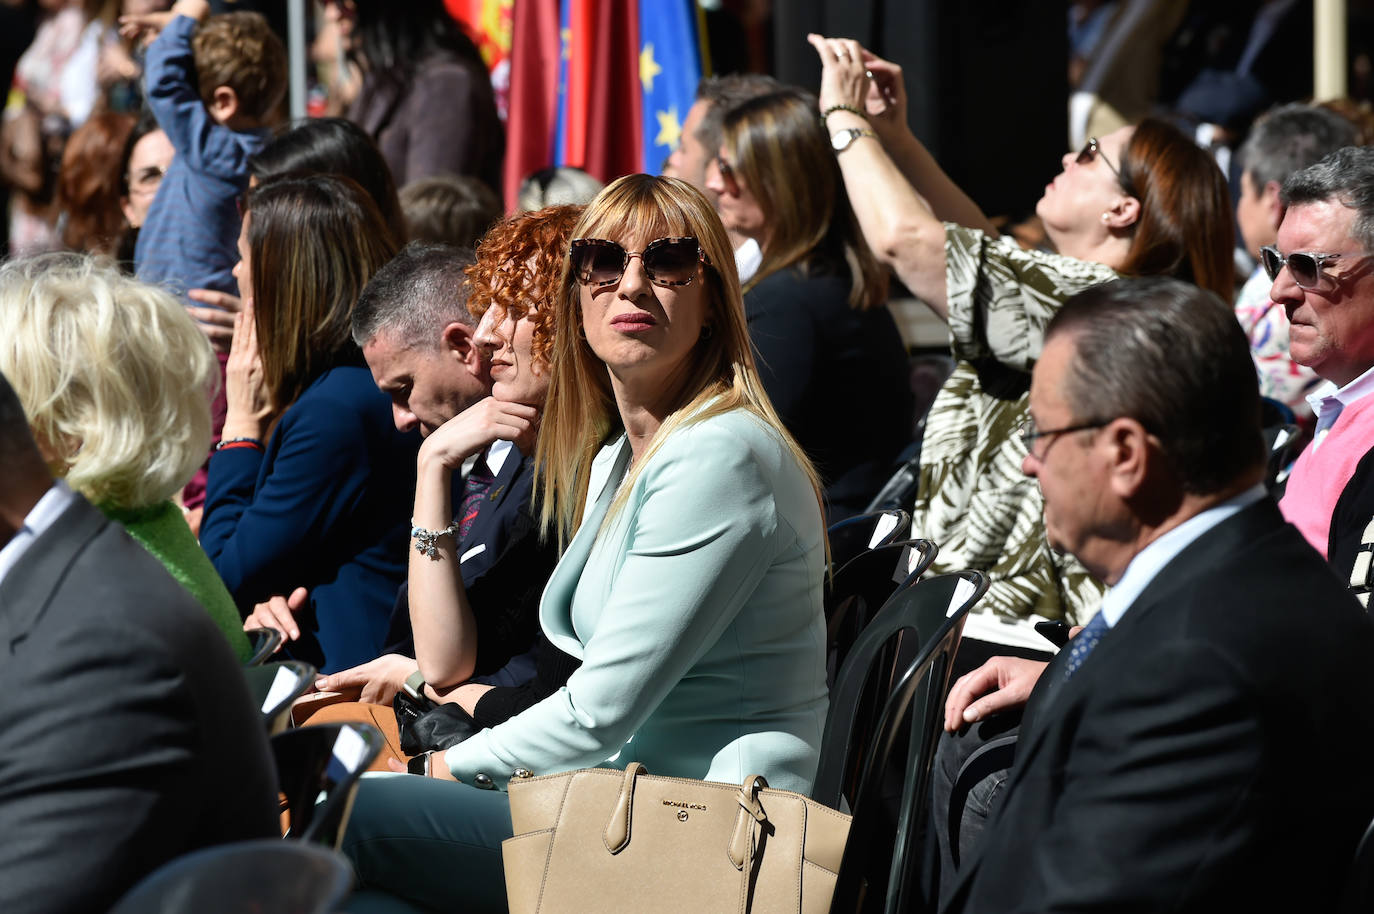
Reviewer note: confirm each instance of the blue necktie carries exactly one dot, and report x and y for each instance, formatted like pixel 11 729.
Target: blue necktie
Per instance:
pixel 1082 645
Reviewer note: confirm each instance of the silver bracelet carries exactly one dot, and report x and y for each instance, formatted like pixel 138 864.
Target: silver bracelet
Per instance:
pixel 427 541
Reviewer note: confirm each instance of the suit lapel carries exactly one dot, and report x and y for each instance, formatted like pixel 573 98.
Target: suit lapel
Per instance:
pixel 29 586
pixel 555 608
pixel 491 517
pixel 1053 694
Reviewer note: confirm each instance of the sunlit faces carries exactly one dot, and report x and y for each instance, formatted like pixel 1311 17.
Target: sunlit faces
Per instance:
pixel 1077 198
pixel 1331 327
pixel 509 343
pixel 644 332
pixel 688 159
pixel 427 386
pixel 739 209
pixel 148 162
pixel 243 270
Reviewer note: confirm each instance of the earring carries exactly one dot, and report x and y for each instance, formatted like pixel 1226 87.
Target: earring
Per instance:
pixel 707 331
pixel 1106 217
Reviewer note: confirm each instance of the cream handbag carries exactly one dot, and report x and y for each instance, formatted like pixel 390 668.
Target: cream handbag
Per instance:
pixel 612 841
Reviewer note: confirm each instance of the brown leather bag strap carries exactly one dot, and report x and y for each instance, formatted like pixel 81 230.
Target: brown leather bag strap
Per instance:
pixel 617 835
pixel 748 821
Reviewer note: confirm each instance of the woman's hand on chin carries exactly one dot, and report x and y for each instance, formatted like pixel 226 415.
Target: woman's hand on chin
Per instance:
pixel 476 427
pixel 249 404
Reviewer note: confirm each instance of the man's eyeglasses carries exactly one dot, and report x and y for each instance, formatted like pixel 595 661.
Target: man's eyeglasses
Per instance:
pixel 1092 150
pixel 1029 434
pixel 667 261
pixel 1304 266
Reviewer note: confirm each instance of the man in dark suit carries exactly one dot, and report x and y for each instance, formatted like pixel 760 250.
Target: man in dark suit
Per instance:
pixel 415 330
pixel 1204 743
pixel 128 733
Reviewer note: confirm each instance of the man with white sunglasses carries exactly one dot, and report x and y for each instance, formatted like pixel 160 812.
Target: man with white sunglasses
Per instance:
pixel 1323 276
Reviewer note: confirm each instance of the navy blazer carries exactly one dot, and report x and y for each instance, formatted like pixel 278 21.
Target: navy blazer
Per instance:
pixel 504 567
pixel 1211 754
pixel 325 507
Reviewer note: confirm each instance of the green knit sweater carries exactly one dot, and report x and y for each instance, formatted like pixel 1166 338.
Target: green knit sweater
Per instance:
pixel 162 530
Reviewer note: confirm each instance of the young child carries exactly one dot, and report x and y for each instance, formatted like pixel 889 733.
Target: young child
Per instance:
pixel 212 89
pixel 212 83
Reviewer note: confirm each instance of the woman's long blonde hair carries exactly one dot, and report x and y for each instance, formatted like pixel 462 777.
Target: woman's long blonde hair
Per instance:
pixel 581 410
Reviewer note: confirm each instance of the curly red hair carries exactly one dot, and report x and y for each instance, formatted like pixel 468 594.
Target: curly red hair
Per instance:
pixel 519 264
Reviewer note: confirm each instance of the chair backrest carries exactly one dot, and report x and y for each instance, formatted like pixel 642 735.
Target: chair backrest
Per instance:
pixel 266 876
pixel 901 486
pixel 275 685
pixel 322 760
pixel 851 536
pixel 265 642
pixel 1358 897
pixel 858 590
pixel 879 869
pixel 1282 441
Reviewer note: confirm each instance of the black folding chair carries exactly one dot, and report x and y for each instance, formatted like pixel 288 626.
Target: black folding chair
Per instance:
pixel 900 488
pixel 1358 896
pixel 858 590
pixel 265 642
pixel 266 877
pixel 854 535
pixel 274 686
pixel 322 760
pixel 880 868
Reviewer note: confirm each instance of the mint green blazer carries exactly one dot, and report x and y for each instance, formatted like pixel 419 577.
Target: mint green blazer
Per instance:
pixel 697 614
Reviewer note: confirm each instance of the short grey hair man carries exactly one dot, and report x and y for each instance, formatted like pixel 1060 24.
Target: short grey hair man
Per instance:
pixel 417 334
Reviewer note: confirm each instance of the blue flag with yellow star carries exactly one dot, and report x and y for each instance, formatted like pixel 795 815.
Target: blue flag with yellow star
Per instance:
pixel 669 70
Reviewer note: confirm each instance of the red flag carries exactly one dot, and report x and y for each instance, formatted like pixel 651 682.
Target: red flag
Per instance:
pixel 534 64
pixel 614 120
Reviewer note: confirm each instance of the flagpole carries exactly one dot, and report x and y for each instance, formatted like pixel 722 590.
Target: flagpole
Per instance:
pixel 1329 50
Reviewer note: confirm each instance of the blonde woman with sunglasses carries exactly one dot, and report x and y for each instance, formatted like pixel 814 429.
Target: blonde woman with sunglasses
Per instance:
pixel 691 582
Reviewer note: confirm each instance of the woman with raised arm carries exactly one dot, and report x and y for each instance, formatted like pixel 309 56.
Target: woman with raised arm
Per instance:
pixel 1143 200
pixel 691 584
pixel 311 482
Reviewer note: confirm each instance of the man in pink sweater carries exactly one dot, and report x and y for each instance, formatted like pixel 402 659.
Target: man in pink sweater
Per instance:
pixel 1323 276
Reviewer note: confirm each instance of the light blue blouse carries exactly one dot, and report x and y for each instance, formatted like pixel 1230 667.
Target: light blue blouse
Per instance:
pixel 697 614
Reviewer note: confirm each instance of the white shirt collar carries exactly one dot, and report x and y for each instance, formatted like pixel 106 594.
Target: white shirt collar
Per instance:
pixel 1346 395
pixel 748 259
pixel 38 520
pixel 496 455
pixel 1152 559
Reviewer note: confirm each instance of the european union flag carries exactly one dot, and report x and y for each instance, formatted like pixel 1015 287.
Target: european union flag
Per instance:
pixel 669 70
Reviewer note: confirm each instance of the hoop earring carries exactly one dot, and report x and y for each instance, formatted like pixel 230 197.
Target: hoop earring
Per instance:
pixel 707 331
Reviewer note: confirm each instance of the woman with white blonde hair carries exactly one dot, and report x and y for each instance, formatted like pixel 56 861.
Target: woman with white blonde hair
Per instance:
pixel 113 375
pixel 691 585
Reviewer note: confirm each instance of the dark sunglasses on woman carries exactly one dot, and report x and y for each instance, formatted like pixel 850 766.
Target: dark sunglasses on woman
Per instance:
pixel 667 261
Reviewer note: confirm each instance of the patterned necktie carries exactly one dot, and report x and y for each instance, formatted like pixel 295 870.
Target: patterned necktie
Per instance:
pixel 1082 645
pixel 475 486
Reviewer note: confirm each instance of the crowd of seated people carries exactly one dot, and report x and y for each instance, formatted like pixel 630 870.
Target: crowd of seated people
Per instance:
pixel 565 476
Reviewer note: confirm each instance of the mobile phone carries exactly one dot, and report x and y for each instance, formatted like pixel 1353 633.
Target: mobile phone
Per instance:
pixel 1057 633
